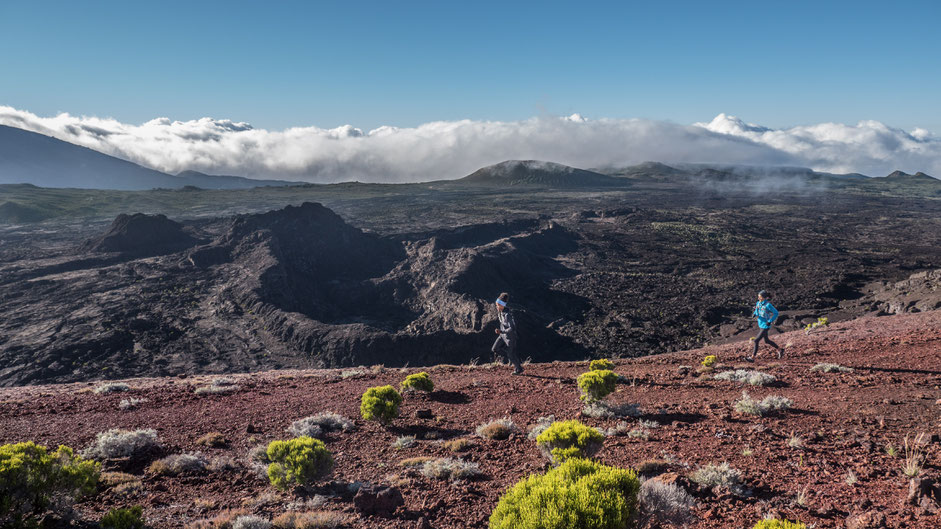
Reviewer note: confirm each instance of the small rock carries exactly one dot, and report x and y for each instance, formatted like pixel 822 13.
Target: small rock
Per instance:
pixel 378 500
pixel 866 520
pixel 424 414
pixel 938 402
pixel 251 428
pixel 423 523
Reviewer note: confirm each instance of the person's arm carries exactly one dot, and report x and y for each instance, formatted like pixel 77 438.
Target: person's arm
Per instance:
pixel 774 314
pixel 510 324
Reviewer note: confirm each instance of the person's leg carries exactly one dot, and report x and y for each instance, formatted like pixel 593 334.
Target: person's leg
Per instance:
pixel 772 344
pixel 762 333
pixel 497 346
pixel 513 356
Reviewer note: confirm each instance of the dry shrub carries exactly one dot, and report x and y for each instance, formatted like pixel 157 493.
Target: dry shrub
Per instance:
pixel 412 462
pixel 117 443
pixel 499 429
pixel 664 503
pixel 310 520
pixel 449 468
pixel 112 387
pixel 223 520
pixel 213 440
pixel 112 479
pixel 458 445
pixel 179 464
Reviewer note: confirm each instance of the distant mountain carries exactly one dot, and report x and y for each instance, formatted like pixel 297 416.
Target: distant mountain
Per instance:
pixel 30 158
pixel 537 174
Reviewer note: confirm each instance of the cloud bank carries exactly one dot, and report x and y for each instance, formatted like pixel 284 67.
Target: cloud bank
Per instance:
pixel 445 150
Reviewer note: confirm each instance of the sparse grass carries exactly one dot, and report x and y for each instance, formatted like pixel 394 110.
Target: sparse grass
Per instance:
pixel 851 478
pixel 214 389
pixel 413 462
pixel 621 428
pixel 131 403
pixel 748 452
pixel 265 499
pixel 831 368
pixel 128 489
pixel 652 467
pixel 450 468
pixel 458 445
pixel 222 464
pixel 251 521
pixel 112 387
pixel 541 424
pixel 891 450
pixel 662 503
pixel 404 441
pixel 722 475
pixel 746 376
pixel 803 497
pixel 795 441
pixel 223 520
pixel 310 520
pixel 914 451
pixel 606 410
pixel 178 464
pixel 117 443
pixel 316 425
pixel 498 429
pixel 213 440
pixel 769 404
pixel 351 373
pixel 111 479
pixel 639 433
pixel 646 423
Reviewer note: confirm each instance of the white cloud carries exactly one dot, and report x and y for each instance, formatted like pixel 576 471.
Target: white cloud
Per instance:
pixel 441 150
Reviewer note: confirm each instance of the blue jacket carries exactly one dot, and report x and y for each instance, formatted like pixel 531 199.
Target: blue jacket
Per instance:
pixel 766 314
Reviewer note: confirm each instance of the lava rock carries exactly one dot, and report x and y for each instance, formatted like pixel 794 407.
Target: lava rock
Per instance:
pixel 866 520
pixel 378 500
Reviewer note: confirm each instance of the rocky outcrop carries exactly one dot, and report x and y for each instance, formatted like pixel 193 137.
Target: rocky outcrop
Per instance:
pixel 141 235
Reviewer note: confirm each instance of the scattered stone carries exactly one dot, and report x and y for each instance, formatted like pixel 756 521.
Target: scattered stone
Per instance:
pixel 378 500
pixel 866 520
pixel 424 414
pixel 924 492
pixel 423 523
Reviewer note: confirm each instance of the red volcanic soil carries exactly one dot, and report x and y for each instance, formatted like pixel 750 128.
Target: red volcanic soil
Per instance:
pixel 844 420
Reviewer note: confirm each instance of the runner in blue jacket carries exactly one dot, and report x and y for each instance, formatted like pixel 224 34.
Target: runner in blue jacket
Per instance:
pixel 766 315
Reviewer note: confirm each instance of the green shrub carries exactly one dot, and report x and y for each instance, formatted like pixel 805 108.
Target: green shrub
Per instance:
pixel 298 461
pixel 568 439
pixel 778 524
pixel 601 365
pixel 31 477
pixel 381 404
pixel 709 361
pixel 578 493
pixel 418 382
pixel 132 518
pixel 596 385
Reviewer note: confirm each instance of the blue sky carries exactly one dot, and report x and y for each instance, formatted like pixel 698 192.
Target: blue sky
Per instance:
pixel 283 64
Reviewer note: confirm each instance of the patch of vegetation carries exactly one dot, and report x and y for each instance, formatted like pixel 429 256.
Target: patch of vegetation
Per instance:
pixel 316 425
pixel 129 518
pixel 450 468
pixel 131 403
pixel 32 480
pixel 117 443
pixel 458 445
pixel 914 450
pixel 404 441
pixel 298 461
pixel 601 364
pixel 723 476
pixel 709 361
pixel 664 504
pixel 820 323
pixel 213 440
pixel 178 464
pixel 747 376
pixel 568 439
pixel 223 520
pixel 222 464
pixel 541 424
pixel 250 521
pixel 778 524
pixel 596 385
pixel 606 410
pixel 112 387
pixel 310 520
pixel 418 382
pixel 769 404
pixel 412 462
pixel 499 429
pixel 831 368
pixel 380 404
pixel 577 493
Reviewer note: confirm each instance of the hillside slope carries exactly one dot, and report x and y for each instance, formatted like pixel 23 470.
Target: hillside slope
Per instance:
pixel 838 465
